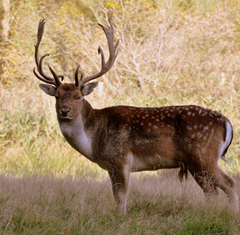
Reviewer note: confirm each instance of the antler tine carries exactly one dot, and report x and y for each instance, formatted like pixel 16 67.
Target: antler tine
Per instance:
pixel 39 38
pixel 110 36
pixel 76 76
pixel 58 83
pixel 41 75
pixel 113 53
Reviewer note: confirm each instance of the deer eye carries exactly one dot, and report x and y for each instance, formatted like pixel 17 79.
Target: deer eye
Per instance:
pixel 57 98
pixel 78 98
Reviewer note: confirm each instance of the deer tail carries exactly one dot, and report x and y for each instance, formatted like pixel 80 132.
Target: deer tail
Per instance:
pixel 227 139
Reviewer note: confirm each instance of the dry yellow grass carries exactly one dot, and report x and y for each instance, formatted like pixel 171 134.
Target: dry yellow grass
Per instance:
pixel 36 204
pixel 188 54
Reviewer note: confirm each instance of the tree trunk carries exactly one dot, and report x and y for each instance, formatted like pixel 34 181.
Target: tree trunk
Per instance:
pixel 4 30
pixel 4 19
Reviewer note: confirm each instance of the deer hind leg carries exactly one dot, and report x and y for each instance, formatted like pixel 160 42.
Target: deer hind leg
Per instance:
pixel 120 184
pixel 228 185
pixel 206 181
pixel 209 180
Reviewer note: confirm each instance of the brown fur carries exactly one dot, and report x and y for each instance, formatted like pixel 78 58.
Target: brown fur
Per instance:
pixel 124 139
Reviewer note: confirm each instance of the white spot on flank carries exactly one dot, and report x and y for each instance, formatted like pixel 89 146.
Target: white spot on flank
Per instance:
pixel 199 135
pixel 208 142
pixel 205 128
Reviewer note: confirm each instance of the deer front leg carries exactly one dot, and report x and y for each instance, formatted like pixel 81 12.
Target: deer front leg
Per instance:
pixel 120 177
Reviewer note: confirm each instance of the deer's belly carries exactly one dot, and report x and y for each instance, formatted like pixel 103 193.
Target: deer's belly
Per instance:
pixel 153 162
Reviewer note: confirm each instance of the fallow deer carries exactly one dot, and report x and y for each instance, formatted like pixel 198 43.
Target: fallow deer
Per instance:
pixel 123 139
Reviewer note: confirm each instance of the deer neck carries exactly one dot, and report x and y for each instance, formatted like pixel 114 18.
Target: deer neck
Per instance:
pixel 77 133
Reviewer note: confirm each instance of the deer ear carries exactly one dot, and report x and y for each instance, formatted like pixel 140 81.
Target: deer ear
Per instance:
pixel 87 89
pixel 48 89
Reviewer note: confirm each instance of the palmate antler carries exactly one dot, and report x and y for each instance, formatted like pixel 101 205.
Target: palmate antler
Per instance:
pixel 113 53
pixel 41 75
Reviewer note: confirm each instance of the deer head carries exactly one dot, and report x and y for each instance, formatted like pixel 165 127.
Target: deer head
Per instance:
pixel 69 96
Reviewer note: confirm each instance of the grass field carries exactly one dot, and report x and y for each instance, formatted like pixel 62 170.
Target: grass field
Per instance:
pixel 173 52
pixel 158 204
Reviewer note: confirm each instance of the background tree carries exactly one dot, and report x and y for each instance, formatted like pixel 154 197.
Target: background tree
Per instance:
pixel 4 27
pixel 5 18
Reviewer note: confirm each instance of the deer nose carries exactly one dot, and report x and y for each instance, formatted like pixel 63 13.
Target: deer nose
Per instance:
pixel 64 110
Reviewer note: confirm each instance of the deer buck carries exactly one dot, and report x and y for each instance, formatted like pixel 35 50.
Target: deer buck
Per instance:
pixel 123 139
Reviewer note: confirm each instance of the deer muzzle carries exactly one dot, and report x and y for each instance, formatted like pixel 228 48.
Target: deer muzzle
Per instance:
pixel 64 111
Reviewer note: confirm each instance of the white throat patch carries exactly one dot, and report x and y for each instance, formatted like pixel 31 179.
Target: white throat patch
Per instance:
pixel 77 138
